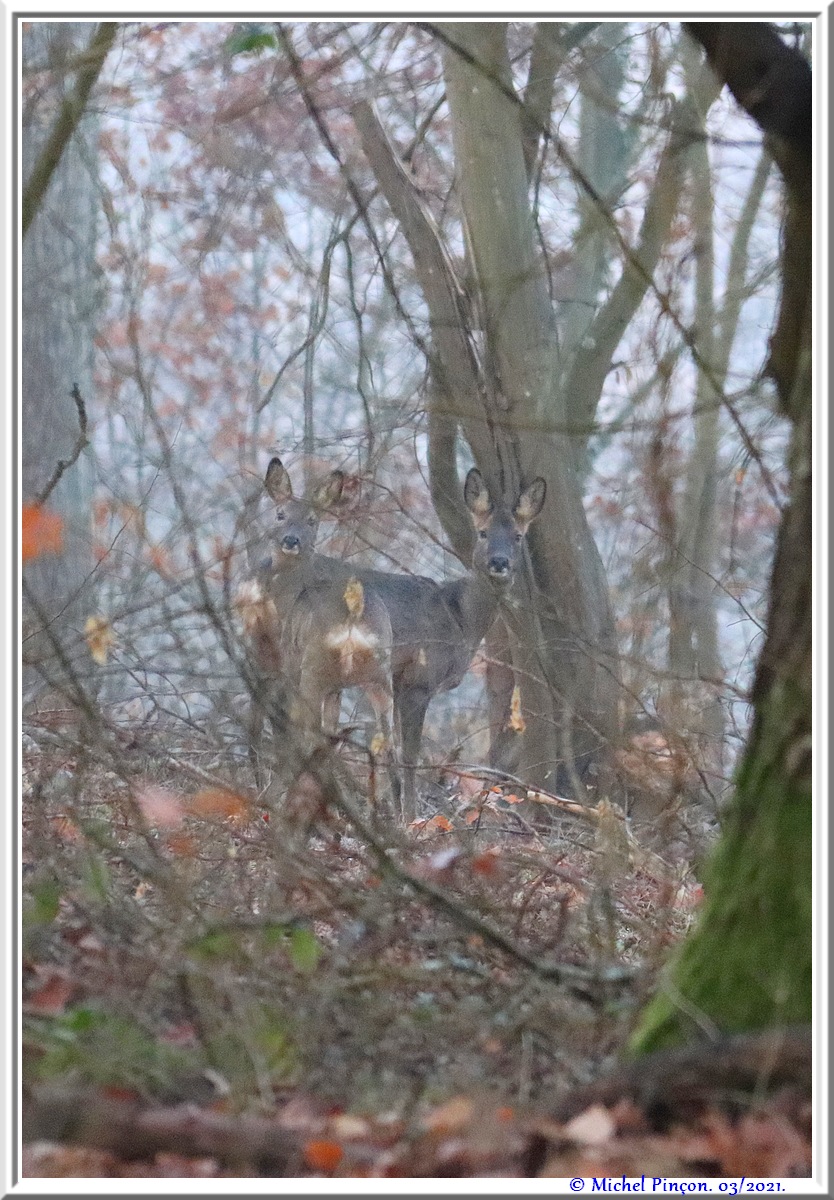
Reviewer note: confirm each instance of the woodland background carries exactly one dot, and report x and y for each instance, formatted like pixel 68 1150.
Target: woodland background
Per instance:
pixel 401 249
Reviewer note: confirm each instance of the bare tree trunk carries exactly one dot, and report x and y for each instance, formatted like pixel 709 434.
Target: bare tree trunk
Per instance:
pixel 694 702
pixel 60 299
pixel 561 623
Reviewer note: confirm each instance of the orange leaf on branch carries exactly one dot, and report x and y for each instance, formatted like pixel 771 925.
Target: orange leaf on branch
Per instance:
pixel 438 823
pixel 516 722
pixel 43 532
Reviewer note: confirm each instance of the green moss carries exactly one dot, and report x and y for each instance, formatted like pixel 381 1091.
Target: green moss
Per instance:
pixel 747 964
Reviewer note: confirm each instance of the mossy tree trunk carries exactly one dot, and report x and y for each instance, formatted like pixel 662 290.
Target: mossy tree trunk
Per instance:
pixel 747 964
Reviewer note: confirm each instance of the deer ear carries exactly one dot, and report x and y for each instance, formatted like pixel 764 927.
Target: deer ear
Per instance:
pixel 531 501
pixel 277 482
pixel 476 494
pixel 329 491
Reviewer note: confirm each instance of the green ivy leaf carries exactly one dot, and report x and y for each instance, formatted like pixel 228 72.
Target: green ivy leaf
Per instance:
pixel 305 950
pixel 250 39
pixel 217 943
pixel 45 900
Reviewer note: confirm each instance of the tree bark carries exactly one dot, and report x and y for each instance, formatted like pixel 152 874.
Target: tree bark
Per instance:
pixel 60 300
pixel 560 623
pixel 748 963
pixel 71 111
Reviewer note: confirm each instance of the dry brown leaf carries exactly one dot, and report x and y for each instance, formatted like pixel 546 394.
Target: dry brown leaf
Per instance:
pixel 592 1127
pixel 451 1117
pixel 53 995
pixel 516 721
pixel 182 844
pixel 220 803
pixel 486 863
pixel 437 823
pixel 100 638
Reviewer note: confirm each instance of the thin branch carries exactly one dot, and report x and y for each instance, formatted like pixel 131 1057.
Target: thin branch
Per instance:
pixel 581 980
pixel 630 256
pixel 65 463
pixel 550 49
pixel 66 123
pixel 456 370
pixel 593 359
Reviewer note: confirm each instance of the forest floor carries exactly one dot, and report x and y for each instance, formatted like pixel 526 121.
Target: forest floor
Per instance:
pixel 216 987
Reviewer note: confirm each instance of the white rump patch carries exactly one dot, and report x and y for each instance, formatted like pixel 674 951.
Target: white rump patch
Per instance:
pixel 351 642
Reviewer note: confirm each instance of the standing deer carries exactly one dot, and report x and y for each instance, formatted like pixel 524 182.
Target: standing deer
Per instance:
pixel 438 627
pixel 311 629
pixel 264 599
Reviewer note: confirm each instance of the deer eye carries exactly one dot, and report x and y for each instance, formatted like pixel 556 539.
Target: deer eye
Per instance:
pixel 519 536
pixel 482 533
pixel 311 520
pixel 280 516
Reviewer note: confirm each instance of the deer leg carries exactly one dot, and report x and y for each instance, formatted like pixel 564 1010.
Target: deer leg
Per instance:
pixel 254 737
pixel 411 708
pixel 308 691
pixel 276 711
pixel 267 703
pixel 382 702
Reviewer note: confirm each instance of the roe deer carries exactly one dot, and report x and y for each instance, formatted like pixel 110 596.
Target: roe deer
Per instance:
pixel 263 600
pixel 438 627
pixel 310 628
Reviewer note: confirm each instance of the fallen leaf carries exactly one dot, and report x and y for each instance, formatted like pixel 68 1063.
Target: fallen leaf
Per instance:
pixel 438 822
pixel 322 1155
pixel 53 995
pixel 450 1117
pixel 182 845
pixel 348 1127
pixel 592 1127
pixel 220 803
pixel 486 863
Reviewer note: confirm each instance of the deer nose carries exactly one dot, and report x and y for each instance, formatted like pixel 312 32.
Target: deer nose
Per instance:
pixel 290 543
pixel 499 565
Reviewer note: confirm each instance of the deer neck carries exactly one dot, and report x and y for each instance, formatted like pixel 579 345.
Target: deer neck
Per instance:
pixel 293 573
pixel 477 601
